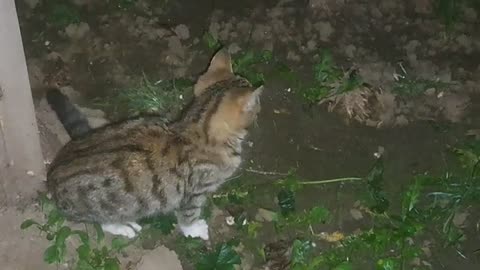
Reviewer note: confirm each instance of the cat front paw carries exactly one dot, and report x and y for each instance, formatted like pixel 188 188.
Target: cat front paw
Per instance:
pixel 129 230
pixel 197 229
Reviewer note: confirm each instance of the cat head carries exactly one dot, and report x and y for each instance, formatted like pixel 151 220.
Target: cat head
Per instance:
pixel 230 103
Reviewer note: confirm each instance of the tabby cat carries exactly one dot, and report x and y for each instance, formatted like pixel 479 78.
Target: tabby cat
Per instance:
pixel 122 172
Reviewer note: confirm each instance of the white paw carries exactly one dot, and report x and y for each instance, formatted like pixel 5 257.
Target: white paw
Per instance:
pixel 135 226
pixel 197 229
pixel 119 229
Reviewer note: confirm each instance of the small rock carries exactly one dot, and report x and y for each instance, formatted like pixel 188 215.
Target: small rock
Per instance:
pixel 32 3
pixel 234 48
pixel 77 31
pixel 356 214
pixel 464 41
pixel 459 219
pixel 96 118
pixel 470 14
pixel 30 173
pixel 325 29
pixel 473 133
pixel 182 31
pixel 376 13
pixel 160 258
pixel 401 120
pixel 430 91
pixel 350 50
pixel 292 56
pixel 175 47
pixel 423 6
pixel 311 45
pixel 264 215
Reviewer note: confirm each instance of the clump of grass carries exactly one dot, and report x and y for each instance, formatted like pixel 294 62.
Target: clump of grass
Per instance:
pixel 61 13
pixel 164 97
pixel 329 80
pixel 451 11
pixel 408 86
pixel 247 65
pixel 211 42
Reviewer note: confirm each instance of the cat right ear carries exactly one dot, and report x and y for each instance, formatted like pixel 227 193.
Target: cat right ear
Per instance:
pixel 219 69
pixel 221 61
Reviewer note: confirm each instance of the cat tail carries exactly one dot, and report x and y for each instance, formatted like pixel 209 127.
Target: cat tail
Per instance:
pixel 74 122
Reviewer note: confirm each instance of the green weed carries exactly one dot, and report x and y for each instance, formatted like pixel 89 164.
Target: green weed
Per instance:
pixel 408 87
pixel 62 13
pixel 164 98
pixel 426 208
pixel 448 11
pixel 247 64
pixel 451 11
pixel 92 253
pixel 329 80
pixel 223 257
pixel 211 42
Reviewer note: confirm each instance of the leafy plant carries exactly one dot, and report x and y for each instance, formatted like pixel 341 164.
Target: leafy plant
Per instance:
pixel 90 255
pixel 224 257
pixel 301 253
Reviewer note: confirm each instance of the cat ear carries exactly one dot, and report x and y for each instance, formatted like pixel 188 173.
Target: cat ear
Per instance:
pixel 220 68
pixel 221 61
pixel 252 99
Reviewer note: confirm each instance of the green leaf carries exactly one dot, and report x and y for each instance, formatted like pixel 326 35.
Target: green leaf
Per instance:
pixel 46 203
pixel 27 223
pixel 411 197
pixel 83 252
pixel 300 252
pixel 286 201
pixel 164 223
pixel 377 201
pixel 211 42
pixel 62 235
pixel 119 243
pixel 224 257
pixel 84 265
pixel 55 218
pixel 344 266
pixel 318 215
pixel 83 236
pixel 100 233
pixel 111 264
pixel 52 255
pixel 387 264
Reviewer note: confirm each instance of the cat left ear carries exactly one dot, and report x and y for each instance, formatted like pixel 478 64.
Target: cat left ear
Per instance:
pixel 252 99
pixel 220 68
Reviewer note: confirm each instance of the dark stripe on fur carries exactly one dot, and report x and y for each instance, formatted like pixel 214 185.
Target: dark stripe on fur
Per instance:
pixel 74 122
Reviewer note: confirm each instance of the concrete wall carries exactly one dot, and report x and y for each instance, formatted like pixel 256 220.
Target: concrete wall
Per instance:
pixel 21 162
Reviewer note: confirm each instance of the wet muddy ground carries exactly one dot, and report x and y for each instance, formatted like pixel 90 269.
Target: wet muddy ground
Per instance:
pixel 95 49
